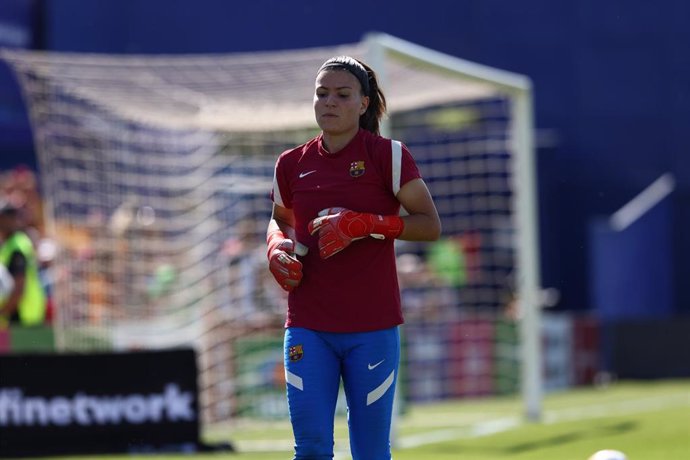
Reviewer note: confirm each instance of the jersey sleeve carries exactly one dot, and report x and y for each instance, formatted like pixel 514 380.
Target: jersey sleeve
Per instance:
pixel 280 192
pixel 403 166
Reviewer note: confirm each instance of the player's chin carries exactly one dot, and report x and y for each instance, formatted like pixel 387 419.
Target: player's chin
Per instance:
pixel 328 123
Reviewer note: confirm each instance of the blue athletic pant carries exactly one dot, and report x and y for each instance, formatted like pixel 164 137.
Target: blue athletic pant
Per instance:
pixel 367 362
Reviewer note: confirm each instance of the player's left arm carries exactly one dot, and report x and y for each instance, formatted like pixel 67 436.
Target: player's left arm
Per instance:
pixel 339 227
pixel 422 223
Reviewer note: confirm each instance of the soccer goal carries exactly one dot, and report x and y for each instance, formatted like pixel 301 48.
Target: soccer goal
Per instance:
pixel 156 172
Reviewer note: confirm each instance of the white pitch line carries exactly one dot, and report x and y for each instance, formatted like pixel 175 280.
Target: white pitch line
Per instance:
pixel 616 408
pixel 273 445
pixel 475 430
pixel 499 425
pixel 263 445
pixel 552 416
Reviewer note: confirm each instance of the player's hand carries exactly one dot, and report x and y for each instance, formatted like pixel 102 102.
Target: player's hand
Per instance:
pixel 286 269
pixel 339 227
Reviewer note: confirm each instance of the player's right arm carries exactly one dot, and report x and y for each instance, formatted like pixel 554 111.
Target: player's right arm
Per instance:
pixel 280 238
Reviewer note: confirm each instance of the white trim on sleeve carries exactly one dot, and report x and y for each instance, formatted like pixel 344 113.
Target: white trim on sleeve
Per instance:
pixel 277 198
pixel 396 148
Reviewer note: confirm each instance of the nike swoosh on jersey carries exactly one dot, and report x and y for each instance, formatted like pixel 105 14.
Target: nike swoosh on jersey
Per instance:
pixel 374 366
pixel 304 174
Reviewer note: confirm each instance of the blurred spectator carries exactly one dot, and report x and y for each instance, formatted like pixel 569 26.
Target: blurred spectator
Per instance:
pixel 425 295
pixel 20 187
pixel 447 260
pixel 251 289
pixel 26 303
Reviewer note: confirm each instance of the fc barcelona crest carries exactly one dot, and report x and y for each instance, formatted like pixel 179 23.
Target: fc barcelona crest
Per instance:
pixel 357 168
pixel 295 353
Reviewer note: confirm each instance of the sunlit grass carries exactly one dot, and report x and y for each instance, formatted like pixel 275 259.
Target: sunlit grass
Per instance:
pixel 646 420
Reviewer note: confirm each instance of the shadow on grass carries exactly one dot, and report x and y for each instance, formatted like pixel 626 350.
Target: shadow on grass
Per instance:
pixel 562 439
pixel 573 436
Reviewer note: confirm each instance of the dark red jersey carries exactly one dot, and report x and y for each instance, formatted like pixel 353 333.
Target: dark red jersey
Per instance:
pixel 355 290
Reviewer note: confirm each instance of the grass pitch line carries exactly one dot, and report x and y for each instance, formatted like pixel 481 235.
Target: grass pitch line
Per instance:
pixel 550 417
pixel 616 408
pixel 495 426
pixel 475 430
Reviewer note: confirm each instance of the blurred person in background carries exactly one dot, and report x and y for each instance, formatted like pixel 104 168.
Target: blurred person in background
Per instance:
pixel 26 303
pixel 425 296
pixel 20 187
pixel 336 203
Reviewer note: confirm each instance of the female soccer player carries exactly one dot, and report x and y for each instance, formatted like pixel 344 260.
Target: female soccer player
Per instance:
pixel 336 203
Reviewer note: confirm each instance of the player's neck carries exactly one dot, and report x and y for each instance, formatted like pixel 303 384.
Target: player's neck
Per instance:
pixel 333 143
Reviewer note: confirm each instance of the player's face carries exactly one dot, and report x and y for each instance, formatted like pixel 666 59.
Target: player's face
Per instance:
pixel 338 102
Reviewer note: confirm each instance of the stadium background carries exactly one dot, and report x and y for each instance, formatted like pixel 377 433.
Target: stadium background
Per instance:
pixel 611 89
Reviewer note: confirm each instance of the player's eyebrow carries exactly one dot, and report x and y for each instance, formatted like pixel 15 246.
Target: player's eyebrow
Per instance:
pixel 339 87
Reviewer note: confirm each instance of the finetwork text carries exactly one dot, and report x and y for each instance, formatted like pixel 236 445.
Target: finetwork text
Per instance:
pixel 171 405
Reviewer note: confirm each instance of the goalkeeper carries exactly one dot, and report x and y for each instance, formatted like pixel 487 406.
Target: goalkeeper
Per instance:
pixel 336 203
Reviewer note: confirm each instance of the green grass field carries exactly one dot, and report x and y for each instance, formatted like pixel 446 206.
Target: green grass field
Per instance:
pixel 646 420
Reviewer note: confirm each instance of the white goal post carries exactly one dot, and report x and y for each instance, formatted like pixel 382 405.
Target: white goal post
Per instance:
pixel 156 172
pixel 528 282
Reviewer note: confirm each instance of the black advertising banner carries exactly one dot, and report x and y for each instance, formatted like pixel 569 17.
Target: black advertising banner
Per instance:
pixel 55 404
pixel 663 353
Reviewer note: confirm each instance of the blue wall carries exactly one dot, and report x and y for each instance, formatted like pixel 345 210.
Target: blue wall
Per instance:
pixel 612 84
pixel 631 269
pixel 18 24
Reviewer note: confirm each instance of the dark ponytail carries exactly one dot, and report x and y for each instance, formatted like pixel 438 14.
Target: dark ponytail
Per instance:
pixel 371 119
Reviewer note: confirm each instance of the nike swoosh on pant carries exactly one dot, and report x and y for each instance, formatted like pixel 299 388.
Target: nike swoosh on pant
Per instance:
pixel 373 366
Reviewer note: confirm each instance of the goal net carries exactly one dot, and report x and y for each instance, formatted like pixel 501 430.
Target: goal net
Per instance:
pixel 156 172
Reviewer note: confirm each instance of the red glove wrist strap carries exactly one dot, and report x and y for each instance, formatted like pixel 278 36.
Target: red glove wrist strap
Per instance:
pixel 273 239
pixel 388 226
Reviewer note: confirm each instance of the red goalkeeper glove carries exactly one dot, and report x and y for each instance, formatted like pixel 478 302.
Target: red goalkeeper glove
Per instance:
pixel 286 269
pixel 338 227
